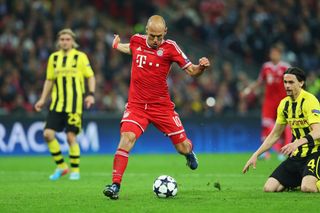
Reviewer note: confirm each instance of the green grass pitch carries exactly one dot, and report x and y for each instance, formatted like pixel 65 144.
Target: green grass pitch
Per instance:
pixel 25 187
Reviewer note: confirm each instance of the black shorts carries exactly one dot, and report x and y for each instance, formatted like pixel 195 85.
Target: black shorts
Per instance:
pixel 291 171
pixel 59 121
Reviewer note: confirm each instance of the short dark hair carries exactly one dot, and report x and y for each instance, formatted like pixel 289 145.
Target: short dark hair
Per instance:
pixel 299 73
pixel 278 46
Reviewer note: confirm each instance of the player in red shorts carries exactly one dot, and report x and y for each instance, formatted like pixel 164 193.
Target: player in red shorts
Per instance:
pixel 271 76
pixel 149 100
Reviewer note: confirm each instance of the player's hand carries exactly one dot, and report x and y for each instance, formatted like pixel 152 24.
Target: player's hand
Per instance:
pixel 204 62
pixel 245 92
pixel 116 41
pixel 89 101
pixel 289 149
pixel 252 161
pixel 38 106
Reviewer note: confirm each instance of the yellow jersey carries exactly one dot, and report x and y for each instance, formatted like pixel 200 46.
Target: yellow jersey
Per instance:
pixel 300 114
pixel 68 72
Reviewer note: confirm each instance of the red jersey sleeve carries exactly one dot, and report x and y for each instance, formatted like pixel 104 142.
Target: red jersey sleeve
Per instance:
pixel 262 74
pixel 178 56
pixel 132 39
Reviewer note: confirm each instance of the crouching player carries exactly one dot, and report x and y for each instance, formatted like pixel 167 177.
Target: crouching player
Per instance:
pixel 301 110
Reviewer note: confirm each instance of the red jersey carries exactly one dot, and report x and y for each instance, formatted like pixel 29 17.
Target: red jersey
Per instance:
pixel 272 77
pixel 150 68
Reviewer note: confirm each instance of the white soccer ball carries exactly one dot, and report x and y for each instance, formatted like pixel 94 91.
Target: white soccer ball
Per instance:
pixel 165 186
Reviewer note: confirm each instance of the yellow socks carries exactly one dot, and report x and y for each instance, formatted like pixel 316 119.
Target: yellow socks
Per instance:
pixel 55 151
pixel 318 185
pixel 74 154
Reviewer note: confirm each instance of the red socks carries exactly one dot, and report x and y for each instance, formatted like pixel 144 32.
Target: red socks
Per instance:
pixel 120 162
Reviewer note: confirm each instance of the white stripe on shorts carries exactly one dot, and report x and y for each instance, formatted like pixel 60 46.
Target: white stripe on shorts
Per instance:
pixel 132 121
pixel 175 133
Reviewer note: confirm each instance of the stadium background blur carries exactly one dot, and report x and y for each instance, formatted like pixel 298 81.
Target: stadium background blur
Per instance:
pixel 235 34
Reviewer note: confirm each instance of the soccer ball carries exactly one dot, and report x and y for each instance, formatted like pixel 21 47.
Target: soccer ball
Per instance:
pixel 165 186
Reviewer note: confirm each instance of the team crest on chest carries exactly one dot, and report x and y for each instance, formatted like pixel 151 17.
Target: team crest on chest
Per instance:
pixel 160 52
pixel 126 114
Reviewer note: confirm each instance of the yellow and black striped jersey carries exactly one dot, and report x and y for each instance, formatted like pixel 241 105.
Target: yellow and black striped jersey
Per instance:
pixel 300 114
pixel 68 72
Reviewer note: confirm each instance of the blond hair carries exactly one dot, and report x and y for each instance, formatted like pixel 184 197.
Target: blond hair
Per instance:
pixel 69 32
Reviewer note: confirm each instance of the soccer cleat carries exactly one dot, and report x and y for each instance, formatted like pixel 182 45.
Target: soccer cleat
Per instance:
pixel 112 191
pixel 74 176
pixel 192 160
pixel 58 173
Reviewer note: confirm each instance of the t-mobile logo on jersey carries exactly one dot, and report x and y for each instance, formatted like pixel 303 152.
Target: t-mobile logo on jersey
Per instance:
pixel 141 59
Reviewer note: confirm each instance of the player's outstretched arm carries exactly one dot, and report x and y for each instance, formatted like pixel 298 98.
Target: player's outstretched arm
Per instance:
pixel 48 84
pixel 125 48
pixel 290 148
pixel 251 88
pixel 266 145
pixel 196 70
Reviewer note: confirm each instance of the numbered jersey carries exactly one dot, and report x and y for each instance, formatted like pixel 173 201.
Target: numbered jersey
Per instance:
pixel 150 68
pixel 67 71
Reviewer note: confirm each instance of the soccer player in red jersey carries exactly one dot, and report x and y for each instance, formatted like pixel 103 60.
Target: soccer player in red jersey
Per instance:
pixel 149 100
pixel 271 76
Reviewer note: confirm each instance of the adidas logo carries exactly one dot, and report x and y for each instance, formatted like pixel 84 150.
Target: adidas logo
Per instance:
pixel 139 48
pixel 181 135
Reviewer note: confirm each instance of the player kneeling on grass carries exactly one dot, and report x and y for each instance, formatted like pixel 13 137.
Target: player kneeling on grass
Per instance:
pixel 301 110
pixel 149 99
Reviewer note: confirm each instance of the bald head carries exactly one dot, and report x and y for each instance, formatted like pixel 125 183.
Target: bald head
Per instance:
pixel 156 22
pixel 156 30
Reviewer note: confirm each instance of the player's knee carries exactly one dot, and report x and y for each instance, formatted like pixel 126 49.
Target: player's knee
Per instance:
pixel 269 189
pixel 127 140
pixel 308 188
pixel 273 185
pixel 71 138
pixel 48 135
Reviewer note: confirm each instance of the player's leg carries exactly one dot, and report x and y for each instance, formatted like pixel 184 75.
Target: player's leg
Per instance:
pixel 273 185
pixel 73 127
pixel 185 148
pixel 309 184
pixel 311 174
pixel 285 176
pixel 127 140
pixel 74 156
pixel 133 124
pixel 168 121
pixel 55 123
